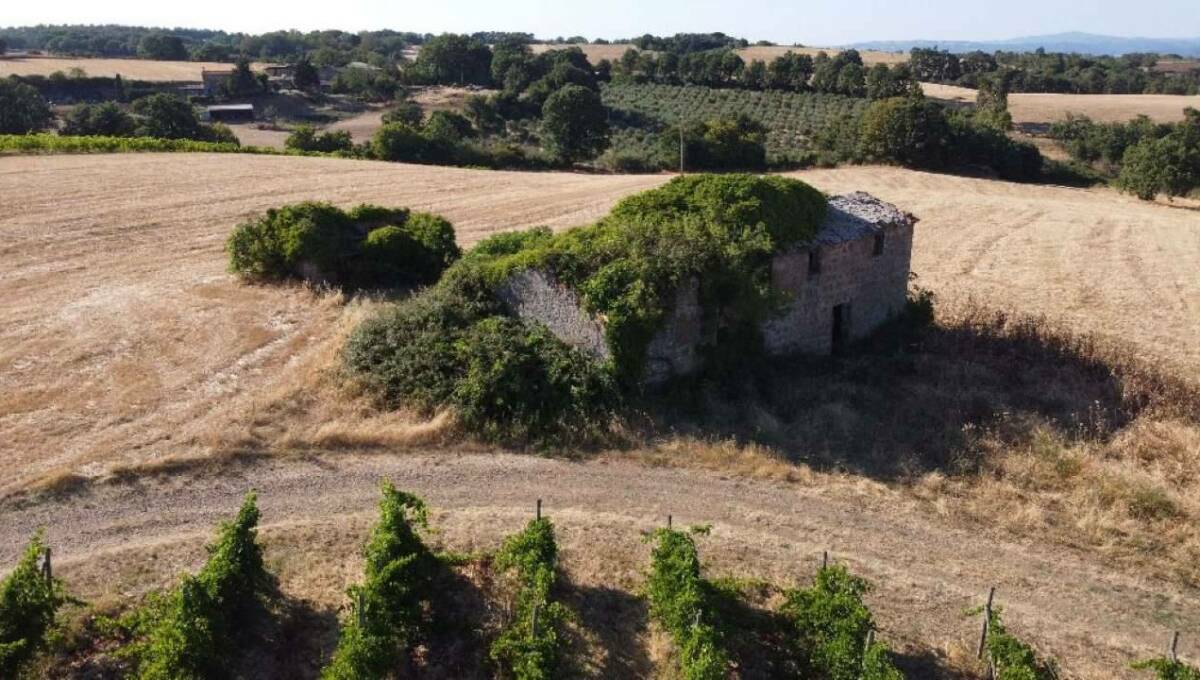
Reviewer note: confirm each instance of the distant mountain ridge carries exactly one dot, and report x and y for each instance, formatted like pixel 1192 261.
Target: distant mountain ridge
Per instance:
pixel 1082 43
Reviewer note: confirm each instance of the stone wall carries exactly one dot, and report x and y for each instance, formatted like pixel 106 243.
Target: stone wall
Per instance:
pixel 862 251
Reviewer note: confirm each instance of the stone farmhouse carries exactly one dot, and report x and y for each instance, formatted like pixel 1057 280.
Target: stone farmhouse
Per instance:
pixel 846 282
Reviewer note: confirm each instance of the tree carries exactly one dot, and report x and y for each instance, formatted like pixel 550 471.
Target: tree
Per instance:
pixel 447 126
pixel 755 75
pixel 404 111
pixel 991 101
pixel 305 76
pixel 105 119
pixel 575 124
pixel 3 46
pixel 242 82
pixel 162 47
pixel 22 108
pixel 909 131
pixel 1169 165
pixel 450 58
pixel 168 117
pixel 483 114
pixel 306 138
pixel 851 80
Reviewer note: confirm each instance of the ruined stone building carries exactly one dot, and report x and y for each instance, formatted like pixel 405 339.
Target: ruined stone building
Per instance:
pixel 838 287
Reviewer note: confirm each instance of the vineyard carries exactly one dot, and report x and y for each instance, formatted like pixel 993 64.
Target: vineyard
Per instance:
pixel 792 119
pixel 408 602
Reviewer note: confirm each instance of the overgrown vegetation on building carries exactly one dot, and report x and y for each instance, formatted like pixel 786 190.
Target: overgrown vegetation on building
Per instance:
pixel 456 344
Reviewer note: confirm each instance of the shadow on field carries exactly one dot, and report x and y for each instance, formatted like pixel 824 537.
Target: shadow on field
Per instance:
pixel 609 641
pixel 916 398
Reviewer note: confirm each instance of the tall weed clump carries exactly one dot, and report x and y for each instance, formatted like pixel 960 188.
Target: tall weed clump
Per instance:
pixel 29 603
pixel 366 246
pixel 833 627
pixel 191 632
pixel 679 602
pixel 530 647
pixel 389 603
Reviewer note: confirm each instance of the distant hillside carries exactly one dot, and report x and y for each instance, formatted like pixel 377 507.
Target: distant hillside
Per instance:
pixel 1083 43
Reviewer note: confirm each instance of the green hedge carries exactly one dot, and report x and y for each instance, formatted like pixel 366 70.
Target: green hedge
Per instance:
pixel 832 626
pixel 389 604
pixel 530 647
pixel 29 604
pixel 679 602
pixel 363 247
pixel 51 143
pixel 193 631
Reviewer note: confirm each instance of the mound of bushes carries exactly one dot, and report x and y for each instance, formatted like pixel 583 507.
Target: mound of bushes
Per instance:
pixel 456 344
pixel 367 246
pixel 679 602
pixel 191 632
pixel 530 647
pixel 389 605
pixel 833 627
pixel 306 138
pixel 29 603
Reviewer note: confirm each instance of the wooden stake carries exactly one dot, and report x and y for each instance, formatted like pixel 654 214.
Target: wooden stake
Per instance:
pixel 534 620
pixel 539 508
pixel 987 619
pixel 825 559
pixel 669 521
pixel 1175 647
pixel 46 569
pixel 358 609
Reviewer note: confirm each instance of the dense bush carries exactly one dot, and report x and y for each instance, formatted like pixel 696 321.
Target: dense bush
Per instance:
pixel 1012 658
pixel 192 632
pixel 366 246
pixel 106 119
pixel 832 626
pixel 29 604
pixel 22 108
pixel 530 646
pixel 390 602
pixel 679 602
pixel 574 124
pixel 306 138
pixel 166 116
pixel 736 143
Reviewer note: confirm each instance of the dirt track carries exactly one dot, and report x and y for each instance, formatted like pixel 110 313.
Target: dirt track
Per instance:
pixel 927 569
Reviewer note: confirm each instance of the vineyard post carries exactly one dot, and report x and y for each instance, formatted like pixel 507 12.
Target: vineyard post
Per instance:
pixel 825 559
pixel 534 620
pixel 47 572
pixel 987 619
pixel 867 646
pixel 1174 654
pixel 358 609
pixel 539 509
pixel 668 522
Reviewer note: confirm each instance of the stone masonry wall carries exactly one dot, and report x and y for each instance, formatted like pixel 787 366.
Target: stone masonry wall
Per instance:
pixel 536 295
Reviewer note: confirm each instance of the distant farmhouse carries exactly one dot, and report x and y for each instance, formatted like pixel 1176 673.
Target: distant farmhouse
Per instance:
pixel 213 81
pixel 846 282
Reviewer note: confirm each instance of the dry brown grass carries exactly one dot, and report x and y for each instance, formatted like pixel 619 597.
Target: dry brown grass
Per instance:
pixel 1034 108
pixel 129 69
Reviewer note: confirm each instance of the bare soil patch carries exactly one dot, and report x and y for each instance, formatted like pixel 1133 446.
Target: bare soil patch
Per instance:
pixel 1030 107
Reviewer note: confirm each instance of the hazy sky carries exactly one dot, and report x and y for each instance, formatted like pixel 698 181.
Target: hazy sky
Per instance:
pixel 815 22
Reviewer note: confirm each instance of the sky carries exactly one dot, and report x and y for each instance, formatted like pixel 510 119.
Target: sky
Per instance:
pixel 812 22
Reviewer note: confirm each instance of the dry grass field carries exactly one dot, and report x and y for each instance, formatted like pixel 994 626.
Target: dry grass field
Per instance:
pixel 130 69
pixel 613 52
pixel 125 348
pixel 1047 108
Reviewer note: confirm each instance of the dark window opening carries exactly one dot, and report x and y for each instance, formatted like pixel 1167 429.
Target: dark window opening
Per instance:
pixel 878 245
pixel 814 262
pixel 841 327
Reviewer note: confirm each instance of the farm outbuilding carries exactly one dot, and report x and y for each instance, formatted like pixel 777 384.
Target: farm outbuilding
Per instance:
pixel 213 80
pixel 230 113
pixel 838 287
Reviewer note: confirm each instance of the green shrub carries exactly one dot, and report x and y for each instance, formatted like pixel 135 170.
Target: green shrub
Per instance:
pixel 530 558
pixel 1013 658
pixel 106 119
pixel 367 246
pixel 306 138
pixel 735 143
pixel 395 591
pixel 1167 669
pixel 22 108
pixel 191 632
pixel 679 603
pixel 832 626
pixel 28 606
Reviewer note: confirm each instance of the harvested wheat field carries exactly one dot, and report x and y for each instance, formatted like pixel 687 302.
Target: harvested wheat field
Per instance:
pixel 129 69
pixel 1028 107
pixel 126 349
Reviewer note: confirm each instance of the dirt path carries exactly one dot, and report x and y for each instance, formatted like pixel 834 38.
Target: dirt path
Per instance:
pixel 927 569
